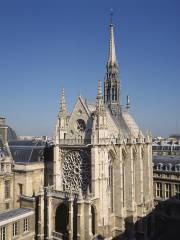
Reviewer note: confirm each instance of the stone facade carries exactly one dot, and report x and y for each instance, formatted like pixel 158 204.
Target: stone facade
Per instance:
pixel 99 181
pixel 102 166
pixel 165 218
pixel 20 184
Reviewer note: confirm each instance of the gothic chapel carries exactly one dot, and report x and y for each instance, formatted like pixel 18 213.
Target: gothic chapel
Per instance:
pixel 102 169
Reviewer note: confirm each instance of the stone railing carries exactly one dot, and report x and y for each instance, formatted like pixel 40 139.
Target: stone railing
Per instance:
pixel 64 195
pixel 88 141
pixel 74 141
pixel 57 236
pixel 103 141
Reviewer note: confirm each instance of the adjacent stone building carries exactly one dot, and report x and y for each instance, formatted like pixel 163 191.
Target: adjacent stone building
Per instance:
pixel 16 222
pixel 166 180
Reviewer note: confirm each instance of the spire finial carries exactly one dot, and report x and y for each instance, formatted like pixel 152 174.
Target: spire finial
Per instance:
pixel 127 102
pixel 111 15
pixel 112 50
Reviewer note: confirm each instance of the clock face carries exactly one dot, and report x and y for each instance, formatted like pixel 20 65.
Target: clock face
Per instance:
pixel 80 125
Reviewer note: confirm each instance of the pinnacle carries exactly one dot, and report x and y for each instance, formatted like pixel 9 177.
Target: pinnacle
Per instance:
pixel 99 95
pixel 62 102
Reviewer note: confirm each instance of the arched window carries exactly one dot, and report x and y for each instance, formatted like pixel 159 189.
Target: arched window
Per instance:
pixel 113 94
pixel 110 174
pixel 110 179
pixel 93 217
pixel 168 167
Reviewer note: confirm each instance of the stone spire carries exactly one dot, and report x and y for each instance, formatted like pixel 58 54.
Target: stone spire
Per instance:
pixel 99 98
pixel 112 49
pixel 112 85
pixel 99 95
pixel 62 114
pixel 100 108
pixel 63 109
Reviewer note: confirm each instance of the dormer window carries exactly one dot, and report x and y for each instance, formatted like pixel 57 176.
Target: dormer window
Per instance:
pixel 159 166
pixel 177 167
pixel 168 167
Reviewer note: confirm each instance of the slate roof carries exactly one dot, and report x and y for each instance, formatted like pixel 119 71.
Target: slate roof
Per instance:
pixel 166 159
pixel 14 213
pixel 27 151
pixel 125 121
pixel 167 163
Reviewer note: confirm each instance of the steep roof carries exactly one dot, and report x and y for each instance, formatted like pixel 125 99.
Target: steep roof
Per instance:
pixel 27 151
pixel 124 122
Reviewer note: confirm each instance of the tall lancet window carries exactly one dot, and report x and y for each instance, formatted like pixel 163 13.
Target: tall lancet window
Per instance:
pixel 110 180
pixel 113 94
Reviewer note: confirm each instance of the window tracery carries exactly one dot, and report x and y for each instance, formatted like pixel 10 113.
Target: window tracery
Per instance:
pixel 76 170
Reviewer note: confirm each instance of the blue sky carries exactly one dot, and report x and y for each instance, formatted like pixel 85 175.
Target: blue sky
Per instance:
pixel 46 45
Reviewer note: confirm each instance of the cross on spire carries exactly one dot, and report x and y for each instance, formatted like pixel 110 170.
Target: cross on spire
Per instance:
pixel 112 50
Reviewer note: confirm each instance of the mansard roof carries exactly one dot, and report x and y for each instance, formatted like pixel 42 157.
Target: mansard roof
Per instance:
pixel 173 159
pixel 27 151
pixel 167 163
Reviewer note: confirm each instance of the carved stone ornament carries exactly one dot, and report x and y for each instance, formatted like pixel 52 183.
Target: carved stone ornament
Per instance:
pixel 76 169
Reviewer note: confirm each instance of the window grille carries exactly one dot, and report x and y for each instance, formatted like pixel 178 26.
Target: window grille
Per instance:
pixel 26 227
pixel 167 190
pixel 3 233
pixel 159 189
pixel 15 229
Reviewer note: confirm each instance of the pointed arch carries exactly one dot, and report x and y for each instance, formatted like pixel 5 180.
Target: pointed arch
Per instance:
pixel 124 154
pixel 134 153
pixel 111 158
pixel 62 220
pixel 93 220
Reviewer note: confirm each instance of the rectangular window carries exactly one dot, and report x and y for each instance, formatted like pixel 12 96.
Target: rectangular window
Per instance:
pixel 167 190
pixel 26 227
pixel 159 189
pixel 3 233
pixel 7 189
pixel 177 191
pixel 15 229
pixel 7 205
pixel 20 189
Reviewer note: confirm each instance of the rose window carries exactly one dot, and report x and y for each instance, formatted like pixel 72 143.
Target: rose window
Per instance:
pixel 76 170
